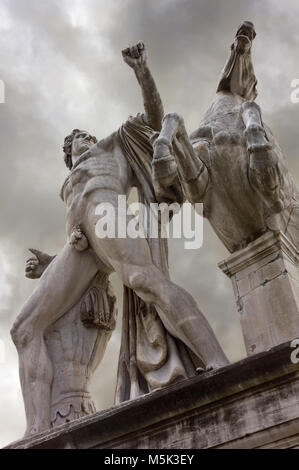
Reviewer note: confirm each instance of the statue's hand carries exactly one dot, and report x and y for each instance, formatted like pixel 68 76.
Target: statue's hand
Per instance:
pixel 135 56
pixel 37 265
pixel 78 240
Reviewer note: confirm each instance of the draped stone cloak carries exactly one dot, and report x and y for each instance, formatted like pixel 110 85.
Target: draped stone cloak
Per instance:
pixel 150 357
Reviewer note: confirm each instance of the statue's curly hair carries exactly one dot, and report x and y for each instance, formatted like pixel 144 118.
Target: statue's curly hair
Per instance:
pixel 67 147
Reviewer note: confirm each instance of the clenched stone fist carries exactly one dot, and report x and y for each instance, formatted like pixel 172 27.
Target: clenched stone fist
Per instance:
pixel 135 56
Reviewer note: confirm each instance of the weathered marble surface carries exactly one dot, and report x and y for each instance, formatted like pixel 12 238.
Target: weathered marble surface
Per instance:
pixel 265 278
pixel 251 404
pixel 234 165
pixel 76 344
pixel 165 335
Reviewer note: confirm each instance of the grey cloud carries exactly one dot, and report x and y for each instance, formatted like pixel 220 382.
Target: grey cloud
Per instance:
pixel 59 77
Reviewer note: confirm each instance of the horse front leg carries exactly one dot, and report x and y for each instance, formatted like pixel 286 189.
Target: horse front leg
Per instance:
pixel 164 167
pixel 175 156
pixel 264 172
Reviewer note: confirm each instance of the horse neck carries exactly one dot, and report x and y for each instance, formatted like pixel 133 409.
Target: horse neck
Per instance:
pixel 222 104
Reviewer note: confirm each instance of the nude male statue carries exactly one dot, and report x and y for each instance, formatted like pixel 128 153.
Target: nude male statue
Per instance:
pixel 99 173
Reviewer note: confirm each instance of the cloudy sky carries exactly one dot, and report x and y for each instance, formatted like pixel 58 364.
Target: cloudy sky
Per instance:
pixel 61 64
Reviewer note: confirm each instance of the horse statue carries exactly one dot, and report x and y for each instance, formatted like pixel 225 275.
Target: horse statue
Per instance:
pixel 232 163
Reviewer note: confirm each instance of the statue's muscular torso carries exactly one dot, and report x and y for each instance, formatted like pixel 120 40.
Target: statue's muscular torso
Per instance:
pixel 100 175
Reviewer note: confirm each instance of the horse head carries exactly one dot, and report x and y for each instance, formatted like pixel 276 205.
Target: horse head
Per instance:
pixel 238 75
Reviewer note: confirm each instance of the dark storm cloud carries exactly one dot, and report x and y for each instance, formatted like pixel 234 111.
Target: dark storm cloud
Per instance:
pixel 62 67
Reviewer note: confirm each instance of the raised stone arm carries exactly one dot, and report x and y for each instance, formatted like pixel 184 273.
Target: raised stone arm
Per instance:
pixel 136 58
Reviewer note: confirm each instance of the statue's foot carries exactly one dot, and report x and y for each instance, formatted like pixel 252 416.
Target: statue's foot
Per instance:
pixel 201 370
pixel 37 428
pixel 209 368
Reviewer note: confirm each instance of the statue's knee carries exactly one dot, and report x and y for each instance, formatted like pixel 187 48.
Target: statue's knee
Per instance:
pixel 145 279
pixel 254 129
pixel 177 118
pixel 21 334
pixel 137 280
pixel 251 106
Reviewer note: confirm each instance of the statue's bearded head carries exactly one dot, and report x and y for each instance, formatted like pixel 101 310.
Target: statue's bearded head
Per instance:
pixel 75 144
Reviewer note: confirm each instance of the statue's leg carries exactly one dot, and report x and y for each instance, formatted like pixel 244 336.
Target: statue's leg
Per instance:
pixel 62 284
pixel 254 130
pixel 76 344
pixel 164 164
pixel 131 259
pixel 264 173
pixel 173 145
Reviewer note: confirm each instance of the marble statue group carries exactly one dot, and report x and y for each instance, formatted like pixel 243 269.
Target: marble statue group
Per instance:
pixel 231 163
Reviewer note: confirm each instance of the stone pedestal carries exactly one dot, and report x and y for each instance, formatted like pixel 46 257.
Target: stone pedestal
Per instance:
pixel 253 403
pixel 265 278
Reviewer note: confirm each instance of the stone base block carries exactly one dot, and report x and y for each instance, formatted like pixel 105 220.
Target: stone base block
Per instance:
pixel 250 404
pixel 265 278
